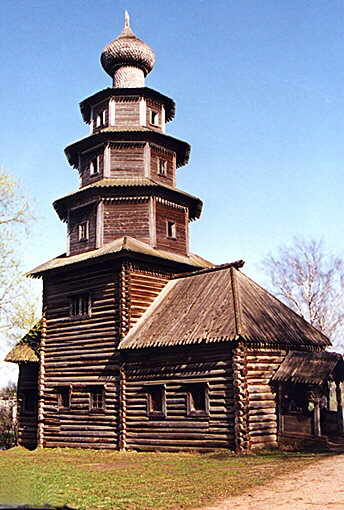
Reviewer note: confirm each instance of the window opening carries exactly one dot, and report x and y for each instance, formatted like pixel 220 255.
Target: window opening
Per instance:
pixel 80 305
pixel 83 231
pixel 94 166
pixel 162 169
pixel 156 401
pixel 197 400
pixel 63 397
pixel 97 397
pixel 171 229
pixel 154 117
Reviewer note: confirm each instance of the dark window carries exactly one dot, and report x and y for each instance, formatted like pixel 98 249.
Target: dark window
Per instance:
pixel 154 117
pixel 80 305
pixel 63 397
pixel 171 229
pixel 197 399
pixel 83 231
pixel 162 170
pixel 29 402
pixel 156 400
pixel 97 398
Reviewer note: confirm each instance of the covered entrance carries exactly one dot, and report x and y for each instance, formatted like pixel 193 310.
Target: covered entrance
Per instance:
pixel 310 395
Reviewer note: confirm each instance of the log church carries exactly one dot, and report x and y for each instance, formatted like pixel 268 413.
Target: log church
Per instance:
pixel 142 344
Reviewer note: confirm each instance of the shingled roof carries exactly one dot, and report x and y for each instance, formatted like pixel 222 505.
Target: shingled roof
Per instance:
pixel 27 349
pixel 117 248
pixel 310 367
pixel 219 304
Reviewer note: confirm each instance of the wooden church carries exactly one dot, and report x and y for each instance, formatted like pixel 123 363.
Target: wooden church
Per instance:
pixel 144 345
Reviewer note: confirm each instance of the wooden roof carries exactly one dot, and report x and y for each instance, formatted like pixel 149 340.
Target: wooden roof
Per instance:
pixel 116 133
pixel 221 304
pixel 27 349
pixel 119 247
pixel 86 104
pixel 310 367
pixel 134 186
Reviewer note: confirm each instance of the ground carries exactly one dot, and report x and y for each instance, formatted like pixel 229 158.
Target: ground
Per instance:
pixel 318 487
pixel 95 479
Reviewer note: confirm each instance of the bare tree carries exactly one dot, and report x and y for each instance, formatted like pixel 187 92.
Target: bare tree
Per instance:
pixel 17 310
pixel 311 282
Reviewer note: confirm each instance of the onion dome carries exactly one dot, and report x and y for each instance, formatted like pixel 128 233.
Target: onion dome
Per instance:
pixel 127 59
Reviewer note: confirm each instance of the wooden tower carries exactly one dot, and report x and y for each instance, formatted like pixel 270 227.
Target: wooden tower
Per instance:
pixel 127 230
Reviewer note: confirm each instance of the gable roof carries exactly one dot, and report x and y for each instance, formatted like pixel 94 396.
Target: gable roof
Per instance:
pixel 310 367
pixel 219 304
pixel 119 247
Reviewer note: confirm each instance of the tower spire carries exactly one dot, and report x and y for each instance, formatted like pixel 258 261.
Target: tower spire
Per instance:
pixel 126 19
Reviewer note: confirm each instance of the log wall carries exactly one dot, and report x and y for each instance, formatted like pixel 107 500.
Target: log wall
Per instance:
pixel 178 216
pixel 261 365
pixel 157 153
pixel 80 215
pixel 27 420
pixel 127 111
pixel 143 288
pixel 80 353
pixel 126 218
pixel 127 160
pixel 176 369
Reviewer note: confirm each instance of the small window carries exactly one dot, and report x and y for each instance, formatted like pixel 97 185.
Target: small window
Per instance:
pixel 156 401
pixel 162 167
pixel 197 400
pixel 94 166
pixel 80 305
pixel 171 229
pixel 63 397
pixel 83 231
pixel 96 398
pixel 154 117
pixel 98 120
pixel 104 117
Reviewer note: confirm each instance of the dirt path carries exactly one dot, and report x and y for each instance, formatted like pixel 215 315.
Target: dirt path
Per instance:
pixel 318 487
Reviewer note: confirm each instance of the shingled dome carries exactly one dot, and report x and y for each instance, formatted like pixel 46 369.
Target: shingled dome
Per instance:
pixel 127 51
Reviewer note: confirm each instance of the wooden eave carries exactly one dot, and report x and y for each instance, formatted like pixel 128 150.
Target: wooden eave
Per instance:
pixel 146 92
pixel 133 187
pixel 310 368
pixel 137 134
pixel 124 248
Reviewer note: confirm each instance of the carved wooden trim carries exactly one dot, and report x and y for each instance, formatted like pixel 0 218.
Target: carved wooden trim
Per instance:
pixel 241 398
pixel 124 301
pixel 122 408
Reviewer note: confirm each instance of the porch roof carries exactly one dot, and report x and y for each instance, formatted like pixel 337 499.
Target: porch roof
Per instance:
pixel 310 367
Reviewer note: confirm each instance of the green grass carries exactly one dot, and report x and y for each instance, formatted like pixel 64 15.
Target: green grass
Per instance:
pixel 93 479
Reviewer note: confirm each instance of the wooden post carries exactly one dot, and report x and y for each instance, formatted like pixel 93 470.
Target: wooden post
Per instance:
pixel 317 424
pixel 339 407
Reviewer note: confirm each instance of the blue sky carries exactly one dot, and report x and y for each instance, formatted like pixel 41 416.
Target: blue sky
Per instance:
pixel 259 92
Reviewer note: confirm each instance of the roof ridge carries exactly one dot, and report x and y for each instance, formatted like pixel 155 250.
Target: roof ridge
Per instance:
pixel 236 302
pixel 237 264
